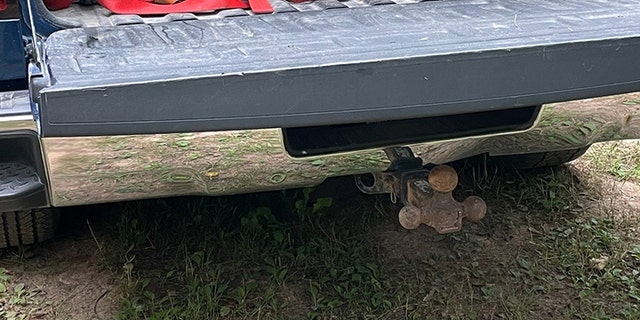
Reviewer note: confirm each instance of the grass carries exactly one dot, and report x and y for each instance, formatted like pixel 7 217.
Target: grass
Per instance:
pixel 17 302
pixel 620 159
pixel 552 246
pixel 223 258
pixel 545 250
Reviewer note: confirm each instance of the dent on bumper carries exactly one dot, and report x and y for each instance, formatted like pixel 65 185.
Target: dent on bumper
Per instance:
pixel 86 170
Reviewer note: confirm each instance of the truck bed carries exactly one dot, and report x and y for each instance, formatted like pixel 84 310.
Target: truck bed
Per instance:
pixel 96 15
pixel 340 66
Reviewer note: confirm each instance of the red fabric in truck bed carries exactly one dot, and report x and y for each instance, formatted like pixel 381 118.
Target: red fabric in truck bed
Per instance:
pixel 147 7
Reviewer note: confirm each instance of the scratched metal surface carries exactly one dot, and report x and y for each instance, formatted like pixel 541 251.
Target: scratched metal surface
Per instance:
pixel 96 15
pixel 338 66
pixel 317 38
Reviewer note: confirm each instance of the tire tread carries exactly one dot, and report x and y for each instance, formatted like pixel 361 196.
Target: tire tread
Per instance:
pixel 27 227
pixel 539 159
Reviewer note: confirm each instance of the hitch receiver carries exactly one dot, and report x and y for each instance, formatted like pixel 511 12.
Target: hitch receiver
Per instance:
pixel 425 193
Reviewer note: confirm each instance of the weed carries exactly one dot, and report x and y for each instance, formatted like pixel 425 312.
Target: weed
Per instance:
pixel 17 301
pixel 546 250
pixel 620 159
pixel 311 211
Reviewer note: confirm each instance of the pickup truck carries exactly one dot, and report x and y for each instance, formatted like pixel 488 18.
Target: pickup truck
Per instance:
pixel 98 106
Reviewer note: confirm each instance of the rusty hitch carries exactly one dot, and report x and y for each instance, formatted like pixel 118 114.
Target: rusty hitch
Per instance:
pixel 426 193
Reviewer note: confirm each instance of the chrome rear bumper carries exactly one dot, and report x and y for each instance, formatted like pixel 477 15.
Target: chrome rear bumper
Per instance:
pixel 85 170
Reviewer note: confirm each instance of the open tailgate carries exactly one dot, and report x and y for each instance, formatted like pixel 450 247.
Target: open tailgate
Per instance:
pixel 337 66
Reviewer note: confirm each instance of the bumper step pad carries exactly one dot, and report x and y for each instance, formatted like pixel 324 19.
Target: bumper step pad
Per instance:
pixel 351 65
pixel 20 187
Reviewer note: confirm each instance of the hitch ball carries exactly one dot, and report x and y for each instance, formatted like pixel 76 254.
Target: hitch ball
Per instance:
pixel 443 179
pixel 430 202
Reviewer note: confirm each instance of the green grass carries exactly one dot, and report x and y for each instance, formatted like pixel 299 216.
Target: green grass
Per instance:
pixel 545 250
pixel 17 302
pixel 552 246
pixel 620 159
pixel 224 258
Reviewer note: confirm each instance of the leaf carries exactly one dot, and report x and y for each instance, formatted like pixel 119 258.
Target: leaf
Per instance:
pixel 221 288
pixel 149 295
pixel 270 269
pixel 282 274
pixel 584 293
pixel 278 236
pixel 334 303
pixel 251 285
pixel 487 292
pixel 224 311
pixel 538 288
pixel 19 288
pixel 322 203
pixel 198 257
pixel 314 290
pixel 240 293
pixel 318 162
pixel 524 264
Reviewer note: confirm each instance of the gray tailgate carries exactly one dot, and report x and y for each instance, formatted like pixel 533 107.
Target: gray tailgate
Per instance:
pixel 337 66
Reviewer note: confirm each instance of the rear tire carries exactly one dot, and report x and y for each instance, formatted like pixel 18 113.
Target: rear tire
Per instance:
pixel 539 159
pixel 26 227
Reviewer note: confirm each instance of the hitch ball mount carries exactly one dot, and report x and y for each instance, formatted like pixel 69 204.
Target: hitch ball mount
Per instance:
pixel 425 192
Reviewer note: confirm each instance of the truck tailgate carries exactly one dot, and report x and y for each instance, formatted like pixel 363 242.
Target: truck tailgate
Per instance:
pixel 386 62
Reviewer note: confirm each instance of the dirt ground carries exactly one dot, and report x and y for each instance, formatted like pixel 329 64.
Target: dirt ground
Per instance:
pixel 68 277
pixel 68 274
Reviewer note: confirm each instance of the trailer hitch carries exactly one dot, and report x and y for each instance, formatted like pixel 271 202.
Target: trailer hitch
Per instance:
pixel 425 192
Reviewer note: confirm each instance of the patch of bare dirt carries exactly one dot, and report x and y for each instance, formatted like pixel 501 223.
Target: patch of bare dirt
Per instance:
pixel 397 243
pixel 621 199
pixel 69 276
pixel 295 301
